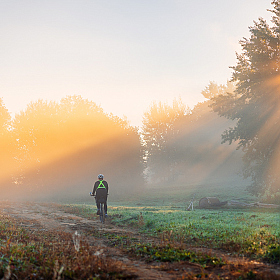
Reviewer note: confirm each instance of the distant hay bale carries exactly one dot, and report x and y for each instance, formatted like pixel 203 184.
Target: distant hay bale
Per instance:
pixel 210 202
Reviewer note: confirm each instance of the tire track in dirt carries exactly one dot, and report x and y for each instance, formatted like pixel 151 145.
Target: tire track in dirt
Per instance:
pixel 48 217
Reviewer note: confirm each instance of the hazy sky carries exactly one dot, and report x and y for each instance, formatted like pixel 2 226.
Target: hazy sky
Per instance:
pixel 121 54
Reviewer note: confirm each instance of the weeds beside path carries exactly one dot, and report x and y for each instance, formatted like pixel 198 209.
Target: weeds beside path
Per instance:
pixel 45 241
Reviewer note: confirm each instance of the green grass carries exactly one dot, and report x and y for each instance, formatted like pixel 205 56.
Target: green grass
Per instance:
pixel 169 253
pixel 254 233
pixel 161 212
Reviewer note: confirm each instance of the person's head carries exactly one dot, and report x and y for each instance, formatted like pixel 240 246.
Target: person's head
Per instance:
pixel 100 177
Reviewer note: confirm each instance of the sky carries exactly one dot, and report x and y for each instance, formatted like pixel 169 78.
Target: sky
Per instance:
pixel 121 54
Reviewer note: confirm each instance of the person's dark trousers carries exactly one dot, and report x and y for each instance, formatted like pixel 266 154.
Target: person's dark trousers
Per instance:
pixel 100 200
pixel 101 197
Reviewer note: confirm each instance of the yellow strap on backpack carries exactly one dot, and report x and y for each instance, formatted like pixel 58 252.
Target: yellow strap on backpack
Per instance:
pixel 101 184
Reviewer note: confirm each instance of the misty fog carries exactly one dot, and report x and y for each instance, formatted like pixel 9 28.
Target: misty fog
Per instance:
pixel 54 151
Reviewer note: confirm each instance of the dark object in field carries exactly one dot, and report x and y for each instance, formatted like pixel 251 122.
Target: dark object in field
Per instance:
pixel 211 202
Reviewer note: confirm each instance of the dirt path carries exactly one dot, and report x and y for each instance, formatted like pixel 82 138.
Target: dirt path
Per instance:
pixel 51 217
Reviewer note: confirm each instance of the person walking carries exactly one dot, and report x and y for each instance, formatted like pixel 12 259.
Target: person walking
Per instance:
pixel 100 190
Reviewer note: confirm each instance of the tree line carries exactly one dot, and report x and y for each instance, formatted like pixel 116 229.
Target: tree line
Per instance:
pixel 52 148
pixel 183 146
pixel 56 149
pixel 61 146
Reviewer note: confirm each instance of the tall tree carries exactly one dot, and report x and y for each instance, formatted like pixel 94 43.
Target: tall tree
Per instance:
pixel 62 147
pixel 255 104
pixel 159 132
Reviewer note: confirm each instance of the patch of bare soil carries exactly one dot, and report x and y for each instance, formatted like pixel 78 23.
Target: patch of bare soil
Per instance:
pixel 50 217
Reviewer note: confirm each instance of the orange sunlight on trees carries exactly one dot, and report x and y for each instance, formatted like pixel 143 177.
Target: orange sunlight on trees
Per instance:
pixel 55 150
pixel 62 147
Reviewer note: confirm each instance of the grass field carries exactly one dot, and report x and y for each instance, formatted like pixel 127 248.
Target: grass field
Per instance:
pixel 155 227
pixel 253 233
pixel 181 195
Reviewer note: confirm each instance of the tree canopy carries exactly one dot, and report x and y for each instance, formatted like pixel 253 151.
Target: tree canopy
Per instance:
pixel 255 104
pixel 159 134
pixel 214 90
pixel 60 148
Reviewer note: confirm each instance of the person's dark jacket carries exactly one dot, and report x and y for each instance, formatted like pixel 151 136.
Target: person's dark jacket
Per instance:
pixel 100 191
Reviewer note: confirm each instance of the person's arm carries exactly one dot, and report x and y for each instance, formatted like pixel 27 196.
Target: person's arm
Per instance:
pixel 94 188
